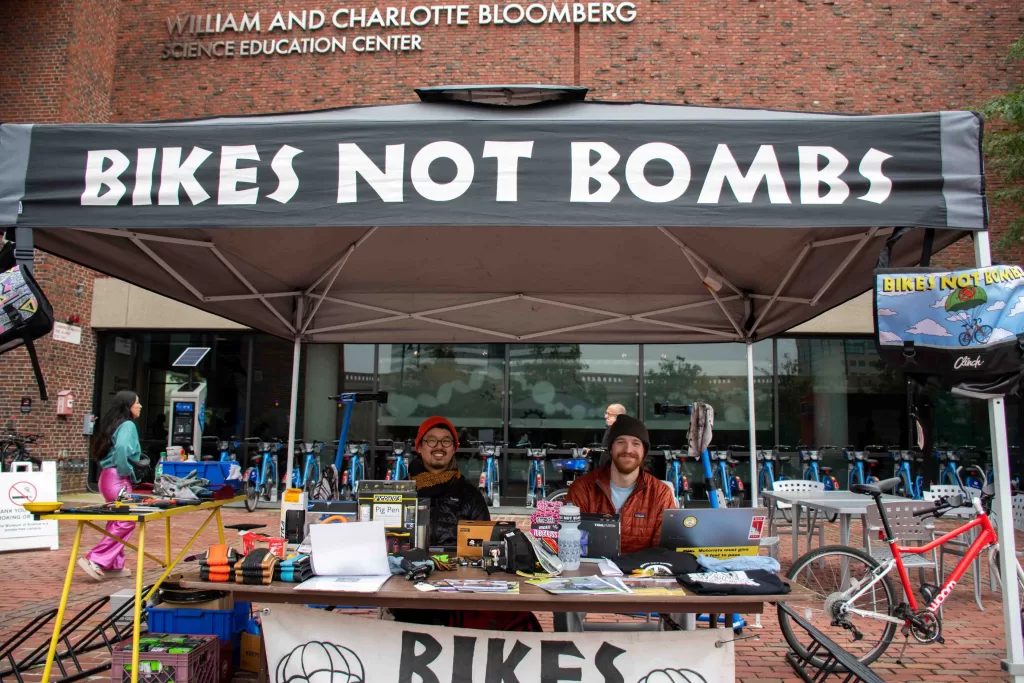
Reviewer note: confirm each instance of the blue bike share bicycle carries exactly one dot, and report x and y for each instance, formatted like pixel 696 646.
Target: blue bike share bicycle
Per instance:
pixel 398 460
pixel 677 481
pixel 226 449
pixel 490 455
pixel 861 466
pixel 949 466
pixel 573 467
pixel 536 478
pixel 261 478
pixel 309 475
pixel 911 485
pixel 356 452
pixel 812 470
pixel 724 479
pixel 767 475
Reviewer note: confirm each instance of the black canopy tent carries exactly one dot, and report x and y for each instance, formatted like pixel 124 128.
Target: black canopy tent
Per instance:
pixel 448 220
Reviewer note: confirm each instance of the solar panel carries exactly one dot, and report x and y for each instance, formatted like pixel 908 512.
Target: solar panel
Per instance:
pixel 191 356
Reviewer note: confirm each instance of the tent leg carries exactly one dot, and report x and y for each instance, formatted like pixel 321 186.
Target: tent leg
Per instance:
pixel 754 493
pixel 1014 662
pixel 293 406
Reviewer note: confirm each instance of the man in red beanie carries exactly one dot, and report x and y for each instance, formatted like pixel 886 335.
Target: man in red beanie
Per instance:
pixel 623 486
pixel 437 477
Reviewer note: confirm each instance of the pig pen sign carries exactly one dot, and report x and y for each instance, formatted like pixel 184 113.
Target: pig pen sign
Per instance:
pixel 311 646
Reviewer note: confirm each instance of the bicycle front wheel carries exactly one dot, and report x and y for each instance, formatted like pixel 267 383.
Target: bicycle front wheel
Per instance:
pixel 766 482
pixel 821 572
pixel 252 496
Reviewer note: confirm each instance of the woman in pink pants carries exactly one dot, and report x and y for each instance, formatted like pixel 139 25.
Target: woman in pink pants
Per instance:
pixel 118 451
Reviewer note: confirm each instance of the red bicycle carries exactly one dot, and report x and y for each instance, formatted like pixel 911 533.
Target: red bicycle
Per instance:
pixel 852 593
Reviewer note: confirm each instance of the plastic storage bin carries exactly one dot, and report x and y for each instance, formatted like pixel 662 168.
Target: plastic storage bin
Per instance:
pixel 243 611
pixel 201 665
pixel 201 622
pixel 216 472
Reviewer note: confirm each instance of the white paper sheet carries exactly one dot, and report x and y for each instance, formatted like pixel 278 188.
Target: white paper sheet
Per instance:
pixel 608 568
pixel 355 549
pixel 344 584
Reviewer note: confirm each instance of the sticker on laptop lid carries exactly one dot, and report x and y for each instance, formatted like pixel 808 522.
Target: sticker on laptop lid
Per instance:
pixel 756 527
pixel 690 522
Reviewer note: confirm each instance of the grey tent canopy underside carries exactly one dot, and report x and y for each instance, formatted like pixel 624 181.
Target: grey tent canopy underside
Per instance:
pixel 447 221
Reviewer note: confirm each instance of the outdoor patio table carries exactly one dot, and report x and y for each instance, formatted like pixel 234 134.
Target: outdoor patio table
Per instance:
pixel 93 520
pixel 399 592
pixel 843 504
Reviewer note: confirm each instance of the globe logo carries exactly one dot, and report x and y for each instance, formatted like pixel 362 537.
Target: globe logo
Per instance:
pixel 673 676
pixel 317 662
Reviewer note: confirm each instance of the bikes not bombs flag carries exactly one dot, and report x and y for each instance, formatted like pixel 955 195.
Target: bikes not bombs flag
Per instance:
pixel 311 646
pixel 963 327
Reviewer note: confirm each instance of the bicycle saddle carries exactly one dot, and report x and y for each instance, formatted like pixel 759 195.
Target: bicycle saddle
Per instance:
pixel 876 489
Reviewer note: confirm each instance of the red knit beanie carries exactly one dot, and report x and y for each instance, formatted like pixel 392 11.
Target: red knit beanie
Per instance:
pixel 436 421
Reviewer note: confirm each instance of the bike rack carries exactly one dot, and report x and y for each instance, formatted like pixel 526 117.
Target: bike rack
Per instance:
pixel 105 634
pixel 837 664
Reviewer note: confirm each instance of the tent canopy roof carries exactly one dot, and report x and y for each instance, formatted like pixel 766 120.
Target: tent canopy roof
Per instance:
pixel 450 221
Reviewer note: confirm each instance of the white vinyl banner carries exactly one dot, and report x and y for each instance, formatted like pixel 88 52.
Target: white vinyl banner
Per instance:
pixel 312 646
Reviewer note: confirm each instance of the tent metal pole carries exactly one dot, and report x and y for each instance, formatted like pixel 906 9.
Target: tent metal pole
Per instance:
pixel 293 404
pixel 1014 662
pixel 754 493
pixel 782 285
pixel 842 266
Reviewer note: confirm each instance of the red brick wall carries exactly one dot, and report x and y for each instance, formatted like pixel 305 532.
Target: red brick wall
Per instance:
pixel 65 366
pixel 99 60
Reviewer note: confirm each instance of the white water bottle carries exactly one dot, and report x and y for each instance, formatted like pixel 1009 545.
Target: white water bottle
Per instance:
pixel 569 537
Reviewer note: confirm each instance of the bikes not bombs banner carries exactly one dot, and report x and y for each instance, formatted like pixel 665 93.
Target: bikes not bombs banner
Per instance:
pixel 312 646
pixel 961 325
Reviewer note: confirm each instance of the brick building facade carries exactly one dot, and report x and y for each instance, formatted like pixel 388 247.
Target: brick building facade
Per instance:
pixel 144 60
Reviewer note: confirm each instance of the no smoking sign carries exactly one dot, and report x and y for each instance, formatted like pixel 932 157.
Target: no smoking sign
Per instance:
pixel 23 492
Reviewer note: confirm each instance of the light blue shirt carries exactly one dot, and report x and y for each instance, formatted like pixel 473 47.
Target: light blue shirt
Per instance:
pixel 620 494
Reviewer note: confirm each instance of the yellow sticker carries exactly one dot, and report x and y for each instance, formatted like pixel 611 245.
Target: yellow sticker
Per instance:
pixel 690 522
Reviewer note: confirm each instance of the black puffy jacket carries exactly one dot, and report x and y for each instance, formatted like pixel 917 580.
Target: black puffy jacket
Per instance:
pixel 450 503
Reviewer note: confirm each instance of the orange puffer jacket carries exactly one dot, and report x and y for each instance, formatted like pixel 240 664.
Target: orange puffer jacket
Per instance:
pixel 640 525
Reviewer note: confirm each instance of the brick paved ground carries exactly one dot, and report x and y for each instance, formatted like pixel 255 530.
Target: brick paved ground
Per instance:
pixel 974 640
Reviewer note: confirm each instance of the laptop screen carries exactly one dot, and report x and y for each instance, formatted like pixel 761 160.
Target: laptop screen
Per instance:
pixel 720 533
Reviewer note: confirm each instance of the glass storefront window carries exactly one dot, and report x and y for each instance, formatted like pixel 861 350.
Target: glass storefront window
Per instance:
pixel 715 374
pixel 559 392
pixel 837 392
pixel 463 382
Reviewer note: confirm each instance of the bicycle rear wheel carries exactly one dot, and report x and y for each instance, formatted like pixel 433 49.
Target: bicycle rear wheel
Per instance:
pixel 821 573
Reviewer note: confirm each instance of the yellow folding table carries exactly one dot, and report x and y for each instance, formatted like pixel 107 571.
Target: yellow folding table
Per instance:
pixel 143 519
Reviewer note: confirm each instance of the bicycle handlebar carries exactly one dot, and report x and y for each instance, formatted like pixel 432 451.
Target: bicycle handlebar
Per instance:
pixel 669 408
pixel 360 397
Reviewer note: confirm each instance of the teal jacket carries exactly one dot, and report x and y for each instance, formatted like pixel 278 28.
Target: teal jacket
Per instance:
pixel 125 452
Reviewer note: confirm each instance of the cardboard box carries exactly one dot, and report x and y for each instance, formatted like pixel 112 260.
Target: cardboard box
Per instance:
pixel 252 540
pixel 225 603
pixel 251 657
pixel 472 534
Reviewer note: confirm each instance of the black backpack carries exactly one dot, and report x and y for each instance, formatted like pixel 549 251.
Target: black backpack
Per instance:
pixel 25 312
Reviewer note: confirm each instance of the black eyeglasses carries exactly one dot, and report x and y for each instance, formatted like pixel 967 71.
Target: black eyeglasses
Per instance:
pixel 432 442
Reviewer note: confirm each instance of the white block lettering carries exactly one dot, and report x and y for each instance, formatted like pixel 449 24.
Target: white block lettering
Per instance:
pixel 583 172
pixel 230 175
pixel 96 177
pixel 811 176
pixel 871 168
pixel 142 195
pixel 175 175
pixel 724 167
pixel 287 181
pixel 637 181
pixel 508 155
pixel 419 172
pixel 387 183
